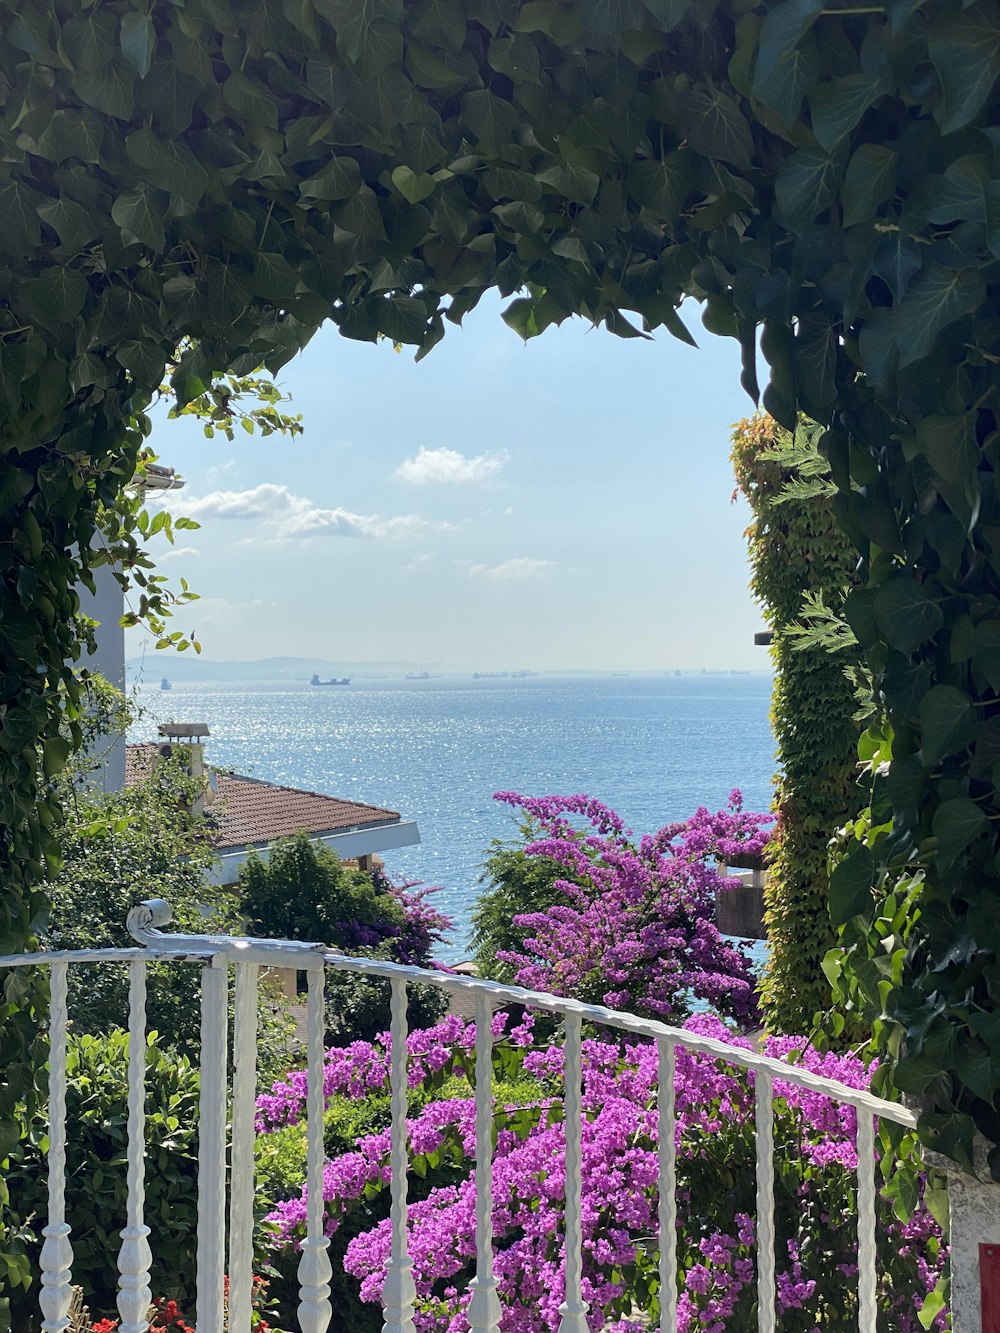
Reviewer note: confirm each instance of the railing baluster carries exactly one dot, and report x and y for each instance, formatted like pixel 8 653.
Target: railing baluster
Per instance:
pixel 765 1201
pixel 134 1257
pixel 241 1171
pixel 866 1223
pixel 399 1291
pixel 315 1269
pixel 573 1310
pixel 484 1308
pixel 57 1252
pixel 667 1183
pixel 212 1146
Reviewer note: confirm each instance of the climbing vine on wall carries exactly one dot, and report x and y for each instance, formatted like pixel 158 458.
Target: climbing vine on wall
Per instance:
pixel 225 175
pixel 799 555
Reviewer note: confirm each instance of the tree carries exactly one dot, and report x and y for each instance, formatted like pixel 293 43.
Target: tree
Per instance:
pixel 210 183
pixel 801 559
pixel 303 891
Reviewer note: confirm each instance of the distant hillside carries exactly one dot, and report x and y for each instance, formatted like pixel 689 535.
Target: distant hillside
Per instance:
pixel 188 667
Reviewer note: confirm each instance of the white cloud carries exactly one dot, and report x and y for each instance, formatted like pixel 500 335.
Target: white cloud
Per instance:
pixel 420 564
pixel 177 553
pixel 519 567
pixel 289 517
pixel 450 468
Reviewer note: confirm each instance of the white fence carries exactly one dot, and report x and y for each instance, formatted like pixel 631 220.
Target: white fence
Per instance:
pixel 215 1259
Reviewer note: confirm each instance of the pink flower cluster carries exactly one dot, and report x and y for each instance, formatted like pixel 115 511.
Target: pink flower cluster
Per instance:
pixel 637 929
pixel 815 1151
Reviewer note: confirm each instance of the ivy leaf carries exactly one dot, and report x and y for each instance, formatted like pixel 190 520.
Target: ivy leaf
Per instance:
pixel 413 186
pixel 785 68
pixel 72 134
pixel 144 360
pixel 520 217
pixel 55 753
pixel 19 210
pixel 571 181
pixel 908 682
pixel 273 276
pixel 948 723
pixel 838 105
pixel 490 119
pixel 986 752
pixel 329 81
pixel 58 295
pixel 171 165
pixel 169 94
pixel 986 651
pixel 108 89
pixel 965 49
pixel 137 39
pixel 340 179
pixel 868 182
pixel 609 16
pixel 140 217
pixel 248 99
pixel 905 615
pixel 352 19
pixel 74 224
pixel 850 892
pixel 934 299
pixel 439 22
pixel 714 124
pixel 957 823
pixel 897 259
pixel 805 186
pixel 815 352
pixel 89 40
pixel 661 185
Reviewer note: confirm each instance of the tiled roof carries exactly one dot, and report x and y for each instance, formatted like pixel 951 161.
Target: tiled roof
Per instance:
pixel 249 812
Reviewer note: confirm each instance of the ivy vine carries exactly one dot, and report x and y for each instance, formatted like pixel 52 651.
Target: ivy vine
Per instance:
pixel 213 181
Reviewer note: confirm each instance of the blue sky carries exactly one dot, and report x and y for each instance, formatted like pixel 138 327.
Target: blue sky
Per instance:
pixel 560 504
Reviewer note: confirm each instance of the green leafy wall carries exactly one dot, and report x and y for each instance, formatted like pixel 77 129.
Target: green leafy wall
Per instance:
pixel 798 552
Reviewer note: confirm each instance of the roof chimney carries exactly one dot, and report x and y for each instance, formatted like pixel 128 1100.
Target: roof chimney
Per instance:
pixel 191 735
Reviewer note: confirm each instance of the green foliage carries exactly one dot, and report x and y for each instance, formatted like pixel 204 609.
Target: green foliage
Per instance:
pixel 145 841
pixel 96 1101
pixel 514 883
pixel 215 183
pixel 303 891
pixel 798 553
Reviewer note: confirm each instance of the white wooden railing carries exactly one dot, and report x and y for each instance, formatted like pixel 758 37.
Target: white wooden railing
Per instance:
pixel 215 955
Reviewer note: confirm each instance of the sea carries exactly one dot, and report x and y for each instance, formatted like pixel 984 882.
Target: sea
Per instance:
pixel 654 747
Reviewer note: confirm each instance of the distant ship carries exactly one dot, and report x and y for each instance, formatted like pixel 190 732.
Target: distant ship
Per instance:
pixel 165 684
pixel 421 675
pixel 345 680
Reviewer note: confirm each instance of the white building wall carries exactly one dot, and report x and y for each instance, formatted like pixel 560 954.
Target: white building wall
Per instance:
pixel 108 659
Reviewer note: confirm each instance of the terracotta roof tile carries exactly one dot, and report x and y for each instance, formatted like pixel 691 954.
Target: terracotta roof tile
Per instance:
pixel 249 811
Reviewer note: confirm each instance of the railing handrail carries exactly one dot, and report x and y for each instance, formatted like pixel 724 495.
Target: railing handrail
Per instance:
pixel 144 923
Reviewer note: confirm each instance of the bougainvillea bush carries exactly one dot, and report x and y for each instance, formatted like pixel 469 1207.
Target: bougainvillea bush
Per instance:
pixel 815 1194
pixel 632 922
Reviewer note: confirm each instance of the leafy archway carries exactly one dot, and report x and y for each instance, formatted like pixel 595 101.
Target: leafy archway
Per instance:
pixel 223 176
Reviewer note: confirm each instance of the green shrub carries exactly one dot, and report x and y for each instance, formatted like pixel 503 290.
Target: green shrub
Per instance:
pixel 96 1165
pixel 303 891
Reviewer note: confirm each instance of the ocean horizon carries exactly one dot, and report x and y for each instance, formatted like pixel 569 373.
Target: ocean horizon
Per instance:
pixel 654 747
